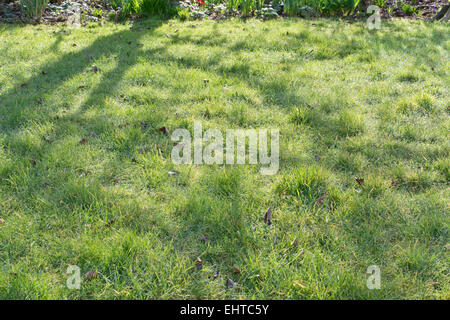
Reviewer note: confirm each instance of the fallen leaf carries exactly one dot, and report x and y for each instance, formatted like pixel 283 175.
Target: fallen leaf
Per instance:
pixel 236 270
pixel 230 284
pixel 164 130
pixel 199 263
pixel 143 125
pixel 268 216
pixel 320 200
pixel 294 244
pixel 111 222
pixel 298 284
pixel 143 150
pixel 360 181
pixel 83 141
pixel 91 275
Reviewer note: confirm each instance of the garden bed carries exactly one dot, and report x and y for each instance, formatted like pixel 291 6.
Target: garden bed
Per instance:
pixel 104 10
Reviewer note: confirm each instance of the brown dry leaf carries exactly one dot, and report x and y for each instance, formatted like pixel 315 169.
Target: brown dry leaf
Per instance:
pixel 320 200
pixel 236 270
pixel 268 216
pixel 164 130
pixel 199 263
pixel 360 181
pixel 299 284
pixel 111 222
pixel 91 275
pixel 294 244
pixel 143 150
pixel 143 125
pixel 84 141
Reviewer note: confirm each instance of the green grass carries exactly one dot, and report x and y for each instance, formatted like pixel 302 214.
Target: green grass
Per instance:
pixel 349 102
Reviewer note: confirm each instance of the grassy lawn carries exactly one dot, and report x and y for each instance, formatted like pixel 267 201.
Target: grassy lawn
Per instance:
pixel 84 169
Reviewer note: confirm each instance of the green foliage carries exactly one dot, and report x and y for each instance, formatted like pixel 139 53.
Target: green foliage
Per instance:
pixel 161 8
pixel 325 7
pixel 33 9
pixel 157 8
pixel 381 3
pixel 184 14
pixel 128 7
pixel 330 7
pixel 408 9
pixel 291 7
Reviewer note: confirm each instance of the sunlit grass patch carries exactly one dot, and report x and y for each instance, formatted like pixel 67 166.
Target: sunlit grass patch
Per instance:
pixel 87 179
